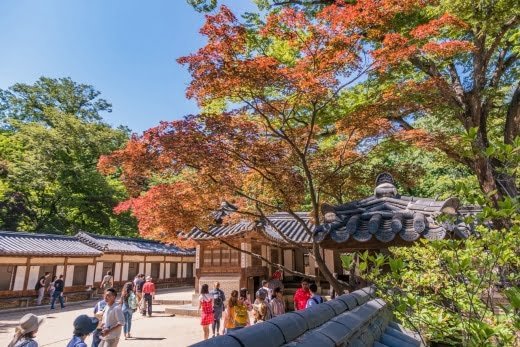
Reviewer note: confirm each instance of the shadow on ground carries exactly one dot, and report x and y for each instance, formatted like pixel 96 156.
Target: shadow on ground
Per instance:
pixel 148 338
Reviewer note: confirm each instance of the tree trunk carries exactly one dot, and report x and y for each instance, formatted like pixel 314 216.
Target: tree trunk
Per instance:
pixel 338 287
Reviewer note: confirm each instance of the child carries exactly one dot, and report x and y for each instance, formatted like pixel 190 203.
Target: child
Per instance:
pixel 83 326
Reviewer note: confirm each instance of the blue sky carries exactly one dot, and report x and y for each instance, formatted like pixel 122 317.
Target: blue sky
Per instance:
pixel 124 48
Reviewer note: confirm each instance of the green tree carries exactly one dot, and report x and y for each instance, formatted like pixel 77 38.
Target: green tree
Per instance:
pixel 51 140
pixel 456 292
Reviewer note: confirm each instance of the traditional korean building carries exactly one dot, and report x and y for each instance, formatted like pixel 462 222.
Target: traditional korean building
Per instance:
pixel 126 257
pixel 390 219
pixel 83 260
pixel 25 257
pixel 216 261
pixel 374 223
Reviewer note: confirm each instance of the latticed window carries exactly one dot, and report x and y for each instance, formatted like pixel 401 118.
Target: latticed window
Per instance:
pixel 207 257
pixel 6 276
pixel 173 270
pixel 80 275
pixel 133 268
pixel 154 271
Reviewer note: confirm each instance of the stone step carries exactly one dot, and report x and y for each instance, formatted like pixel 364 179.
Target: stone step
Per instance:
pixel 171 302
pixel 183 310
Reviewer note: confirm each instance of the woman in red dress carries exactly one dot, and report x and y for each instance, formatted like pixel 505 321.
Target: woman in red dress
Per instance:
pixel 205 309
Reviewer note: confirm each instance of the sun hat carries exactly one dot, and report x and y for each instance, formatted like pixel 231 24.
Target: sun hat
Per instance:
pixel 84 325
pixel 148 278
pixel 28 324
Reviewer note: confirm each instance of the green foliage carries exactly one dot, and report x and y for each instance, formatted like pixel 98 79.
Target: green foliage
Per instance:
pixel 452 291
pixel 50 146
pixel 203 5
pixel 28 103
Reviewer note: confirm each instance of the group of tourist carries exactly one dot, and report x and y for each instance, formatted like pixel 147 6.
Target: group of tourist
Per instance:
pixel 111 316
pixel 54 287
pixel 236 311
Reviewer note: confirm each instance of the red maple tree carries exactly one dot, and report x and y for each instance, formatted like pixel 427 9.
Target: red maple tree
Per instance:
pixel 270 139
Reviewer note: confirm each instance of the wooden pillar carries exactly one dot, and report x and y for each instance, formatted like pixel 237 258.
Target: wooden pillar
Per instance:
pixel 27 270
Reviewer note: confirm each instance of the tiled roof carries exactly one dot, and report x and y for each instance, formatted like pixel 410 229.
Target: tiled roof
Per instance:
pixel 283 222
pixel 387 215
pixel 356 319
pixel 220 231
pixel 22 243
pixel 114 244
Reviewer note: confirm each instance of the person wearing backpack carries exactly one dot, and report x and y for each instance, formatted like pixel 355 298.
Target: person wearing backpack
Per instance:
pixel 83 326
pixel 236 315
pixel 40 287
pixel 59 285
pixel 315 299
pixel 262 310
pixel 128 304
pixel 99 311
pixel 266 290
pixel 218 307
pixel 108 281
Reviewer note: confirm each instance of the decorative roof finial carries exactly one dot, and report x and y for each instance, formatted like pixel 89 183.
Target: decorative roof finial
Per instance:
pixel 385 186
pixel 384 177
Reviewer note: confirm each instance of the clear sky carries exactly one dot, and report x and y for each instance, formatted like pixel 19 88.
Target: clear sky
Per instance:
pixel 124 48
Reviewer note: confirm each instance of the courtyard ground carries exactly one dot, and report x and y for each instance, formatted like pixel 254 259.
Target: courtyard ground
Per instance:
pixel 160 330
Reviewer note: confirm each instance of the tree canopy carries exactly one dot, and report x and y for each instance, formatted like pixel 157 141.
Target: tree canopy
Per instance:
pixel 51 140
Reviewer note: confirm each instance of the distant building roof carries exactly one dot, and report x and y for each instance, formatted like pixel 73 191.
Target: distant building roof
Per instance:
pixel 356 319
pixel 115 244
pixel 22 243
pixel 289 226
pixel 220 231
pixel 387 214
pixel 271 227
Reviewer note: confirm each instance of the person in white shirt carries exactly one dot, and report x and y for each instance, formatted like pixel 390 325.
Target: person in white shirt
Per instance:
pixel 113 320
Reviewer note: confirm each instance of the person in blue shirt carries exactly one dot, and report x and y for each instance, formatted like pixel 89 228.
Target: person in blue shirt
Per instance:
pixel 315 299
pixel 98 312
pixel 83 326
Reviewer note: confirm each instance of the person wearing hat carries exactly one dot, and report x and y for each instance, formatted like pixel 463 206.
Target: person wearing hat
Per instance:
pixel 26 331
pixel 83 326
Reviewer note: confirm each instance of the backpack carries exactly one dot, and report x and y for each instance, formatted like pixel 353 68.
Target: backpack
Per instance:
pixel 38 284
pixel 263 312
pixel 240 316
pixel 132 301
pixel 58 285
pixel 317 301
pixel 217 299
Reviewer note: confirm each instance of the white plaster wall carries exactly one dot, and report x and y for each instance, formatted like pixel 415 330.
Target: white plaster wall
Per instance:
pixel 161 271
pixel 19 278
pixel 90 275
pixel 141 268
pixel 148 269
pixel 184 270
pixel 167 271
pixel 179 270
pixel 124 273
pixel 99 272
pixel 69 275
pixel 117 272
pixel 33 276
